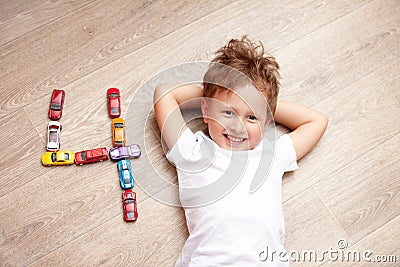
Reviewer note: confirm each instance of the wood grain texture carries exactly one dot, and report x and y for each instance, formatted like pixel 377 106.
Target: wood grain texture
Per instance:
pixel 20 158
pixel 83 41
pixel 20 17
pixel 383 242
pixel 155 239
pixel 374 198
pixel 390 76
pixel 356 126
pixel 129 77
pixel 241 18
pixel 339 57
pixel 309 227
pixel 376 249
pixel 340 53
pixel 56 208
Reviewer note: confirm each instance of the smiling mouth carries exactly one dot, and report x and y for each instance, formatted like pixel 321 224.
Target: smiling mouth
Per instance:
pixel 234 139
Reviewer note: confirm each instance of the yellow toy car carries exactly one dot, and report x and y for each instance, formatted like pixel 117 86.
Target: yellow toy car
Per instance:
pixel 118 132
pixel 63 157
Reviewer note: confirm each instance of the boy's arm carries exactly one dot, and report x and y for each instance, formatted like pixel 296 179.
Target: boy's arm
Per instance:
pixel 307 125
pixel 167 101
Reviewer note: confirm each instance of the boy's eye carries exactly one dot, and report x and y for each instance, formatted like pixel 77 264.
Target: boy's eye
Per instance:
pixel 228 112
pixel 252 118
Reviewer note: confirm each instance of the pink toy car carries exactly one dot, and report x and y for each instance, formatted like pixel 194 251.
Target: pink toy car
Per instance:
pixel 125 152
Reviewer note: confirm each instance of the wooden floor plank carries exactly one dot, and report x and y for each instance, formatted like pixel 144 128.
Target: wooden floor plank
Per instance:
pixel 83 41
pixel 57 207
pixel 20 160
pixel 309 227
pixel 389 74
pixel 337 56
pixel 19 17
pixel 155 239
pixel 352 114
pixel 195 45
pixel 390 235
pixel 380 248
pixel 374 198
pixel 340 53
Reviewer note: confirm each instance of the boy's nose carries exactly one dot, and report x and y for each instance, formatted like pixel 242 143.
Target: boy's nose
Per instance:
pixel 236 127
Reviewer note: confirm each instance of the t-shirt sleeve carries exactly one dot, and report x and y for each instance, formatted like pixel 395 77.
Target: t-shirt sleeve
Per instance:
pixel 186 149
pixel 286 153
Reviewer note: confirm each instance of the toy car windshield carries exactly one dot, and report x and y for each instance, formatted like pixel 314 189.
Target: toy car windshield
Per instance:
pixel 127 179
pixel 133 150
pixel 129 201
pixel 83 155
pixel 55 106
pixel 125 167
pixel 53 136
pixel 131 215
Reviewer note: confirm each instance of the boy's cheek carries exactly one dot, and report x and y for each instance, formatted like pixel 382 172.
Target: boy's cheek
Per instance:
pixel 218 119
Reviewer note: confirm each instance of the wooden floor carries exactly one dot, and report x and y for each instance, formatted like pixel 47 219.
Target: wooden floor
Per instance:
pixel 339 57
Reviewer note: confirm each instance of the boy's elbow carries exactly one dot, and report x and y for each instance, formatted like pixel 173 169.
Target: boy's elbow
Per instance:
pixel 158 92
pixel 323 122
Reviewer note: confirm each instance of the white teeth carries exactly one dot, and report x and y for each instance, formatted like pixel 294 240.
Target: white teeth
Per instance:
pixel 235 139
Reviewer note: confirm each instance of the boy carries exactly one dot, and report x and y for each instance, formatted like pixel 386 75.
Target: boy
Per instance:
pixel 231 221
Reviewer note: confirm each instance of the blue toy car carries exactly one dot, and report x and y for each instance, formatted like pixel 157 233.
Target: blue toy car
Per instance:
pixel 125 174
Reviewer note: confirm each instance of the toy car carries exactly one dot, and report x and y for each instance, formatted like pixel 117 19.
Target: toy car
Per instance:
pixel 63 157
pixel 118 132
pixel 125 174
pixel 56 104
pixel 53 136
pixel 129 205
pixel 90 156
pixel 114 103
pixel 124 152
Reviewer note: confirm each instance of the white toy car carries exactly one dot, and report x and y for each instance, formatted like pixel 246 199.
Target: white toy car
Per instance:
pixel 53 136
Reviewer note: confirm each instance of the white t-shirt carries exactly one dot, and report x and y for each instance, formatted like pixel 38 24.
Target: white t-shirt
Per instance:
pixel 232 202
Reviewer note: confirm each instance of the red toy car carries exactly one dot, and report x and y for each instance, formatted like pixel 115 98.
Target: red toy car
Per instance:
pixel 114 103
pixel 130 206
pixel 56 104
pixel 90 156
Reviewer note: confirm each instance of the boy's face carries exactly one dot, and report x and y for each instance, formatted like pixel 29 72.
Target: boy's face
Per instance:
pixel 236 119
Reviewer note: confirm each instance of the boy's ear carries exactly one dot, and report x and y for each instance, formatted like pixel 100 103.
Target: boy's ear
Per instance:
pixel 204 110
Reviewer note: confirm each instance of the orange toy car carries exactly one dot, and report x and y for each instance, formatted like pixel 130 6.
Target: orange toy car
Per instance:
pixel 118 132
